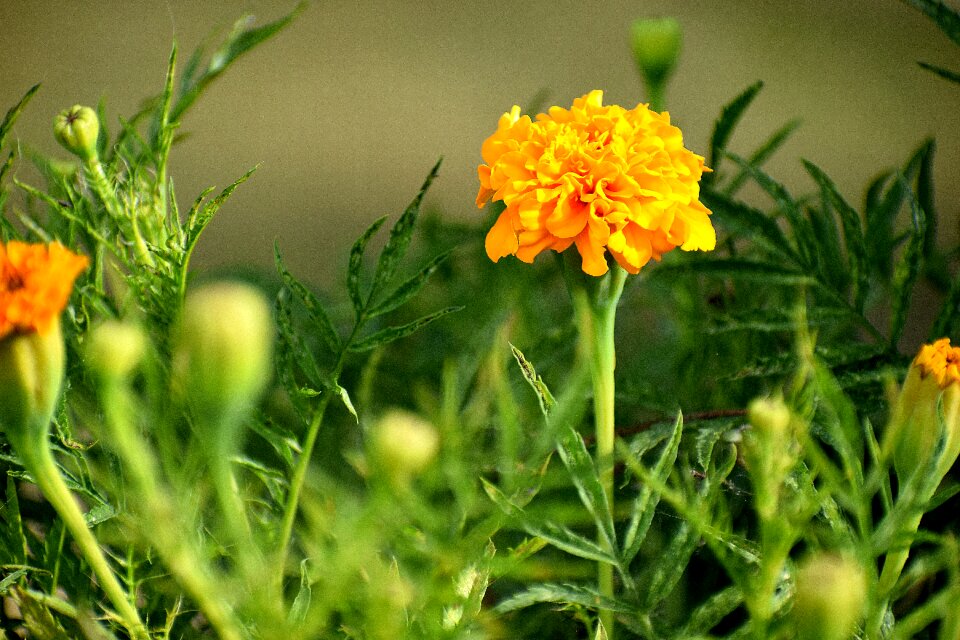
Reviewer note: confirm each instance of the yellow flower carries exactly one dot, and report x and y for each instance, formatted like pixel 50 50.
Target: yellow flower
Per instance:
pixel 604 179
pixel 35 284
pixel 915 427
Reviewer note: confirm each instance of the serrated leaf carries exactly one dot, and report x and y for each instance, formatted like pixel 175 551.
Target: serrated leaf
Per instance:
pixel 355 268
pixel 400 236
pixel 299 353
pixel 409 288
pixel 200 217
pixel 14 524
pixel 564 594
pixel 390 334
pixel 665 569
pixel 739 269
pixel 645 504
pixel 347 402
pixel 946 74
pixel 573 452
pixel 240 41
pixel 762 154
pixel 723 128
pixel 852 232
pixel 11 579
pixel 310 302
pixel 544 397
pixel 709 614
pixel 942 15
pixel 803 235
pixel 908 268
pixel 301 602
pixel 14 112
pixel 749 223
pixel 559 536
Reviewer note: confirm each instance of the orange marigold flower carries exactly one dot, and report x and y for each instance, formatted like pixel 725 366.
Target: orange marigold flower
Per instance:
pixel 941 361
pixel 35 284
pixel 602 178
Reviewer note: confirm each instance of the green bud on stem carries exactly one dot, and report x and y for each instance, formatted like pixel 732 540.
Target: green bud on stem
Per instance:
pixel 31 372
pixel 830 596
pixel 656 48
pixel 402 444
pixel 77 129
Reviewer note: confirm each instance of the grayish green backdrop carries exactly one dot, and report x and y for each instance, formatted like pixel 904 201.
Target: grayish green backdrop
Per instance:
pixel 349 108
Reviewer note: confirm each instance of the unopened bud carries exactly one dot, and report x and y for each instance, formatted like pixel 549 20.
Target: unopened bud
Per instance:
pixel 830 596
pixel 403 444
pixel 114 349
pixel 770 451
pixel 77 129
pixel 31 372
pixel 224 348
pixel 656 47
pixel 915 429
pixel 771 416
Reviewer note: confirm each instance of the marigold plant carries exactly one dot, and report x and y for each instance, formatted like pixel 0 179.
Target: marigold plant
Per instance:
pixel 603 178
pixel 35 283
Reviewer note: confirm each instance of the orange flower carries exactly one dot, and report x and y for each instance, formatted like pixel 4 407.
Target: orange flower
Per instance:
pixel 939 360
pixel 35 284
pixel 601 178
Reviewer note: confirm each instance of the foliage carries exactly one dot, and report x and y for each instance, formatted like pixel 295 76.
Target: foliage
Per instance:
pixel 808 296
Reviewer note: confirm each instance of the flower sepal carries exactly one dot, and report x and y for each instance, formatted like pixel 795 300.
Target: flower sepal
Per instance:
pixel 31 373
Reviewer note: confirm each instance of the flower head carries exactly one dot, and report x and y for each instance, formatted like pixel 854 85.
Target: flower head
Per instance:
pixel 35 284
pixel 932 385
pixel 602 178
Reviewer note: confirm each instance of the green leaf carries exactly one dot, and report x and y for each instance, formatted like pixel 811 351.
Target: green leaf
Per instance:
pixel 409 288
pixel 723 128
pixel 355 269
pixel 11 579
pixel 310 302
pixel 301 603
pixel 946 74
pixel 645 504
pixel 709 614
pixel 665 569
pixel 544 397
pixel 200 216
pixel 908 268
pixel 14 113
pixel 942 15
pixel 749 223
pixel 14 524
pixel 739 269
pixel 400 236
pixel 762 154
pixel 803 236
pixel 240 41
pixel 391 334
pixel 347 402
pixel 300 354
pixel 564 594
pixel 949 316
pixel 852 232
pixel 559 536
pixel 573 452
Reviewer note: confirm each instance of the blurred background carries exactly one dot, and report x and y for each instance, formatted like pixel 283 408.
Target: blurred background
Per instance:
pixel 349 107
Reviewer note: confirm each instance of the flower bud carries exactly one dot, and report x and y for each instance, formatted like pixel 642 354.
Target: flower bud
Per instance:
pixel 223 350
pixel 830 595
pixel 770 451
pixel 915 428
pixel 403 444
pixel 656 47
pixel 114 349
pixel 31 372
pixel 77 129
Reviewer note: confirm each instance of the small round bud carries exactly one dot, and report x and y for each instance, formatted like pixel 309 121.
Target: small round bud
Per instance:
pixel 830 595
pixel 771 416
pixel 223 350
pixel 403 444
pixel 114 349
pixel 77 129
pixel 656 47
pixel 31 372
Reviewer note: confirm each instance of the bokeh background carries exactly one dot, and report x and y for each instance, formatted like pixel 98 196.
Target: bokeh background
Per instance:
pixel 349 107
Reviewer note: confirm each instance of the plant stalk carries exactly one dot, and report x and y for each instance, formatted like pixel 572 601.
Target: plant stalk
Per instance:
pixel 596 318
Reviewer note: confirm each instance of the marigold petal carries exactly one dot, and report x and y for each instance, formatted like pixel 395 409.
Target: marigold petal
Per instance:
pixel 501 239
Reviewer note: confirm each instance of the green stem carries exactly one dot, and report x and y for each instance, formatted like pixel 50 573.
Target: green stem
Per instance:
pixel 97 178
pixel 161 522
pixel 39 461
pixel 893 565
pixel 296 485
pixel 596 317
